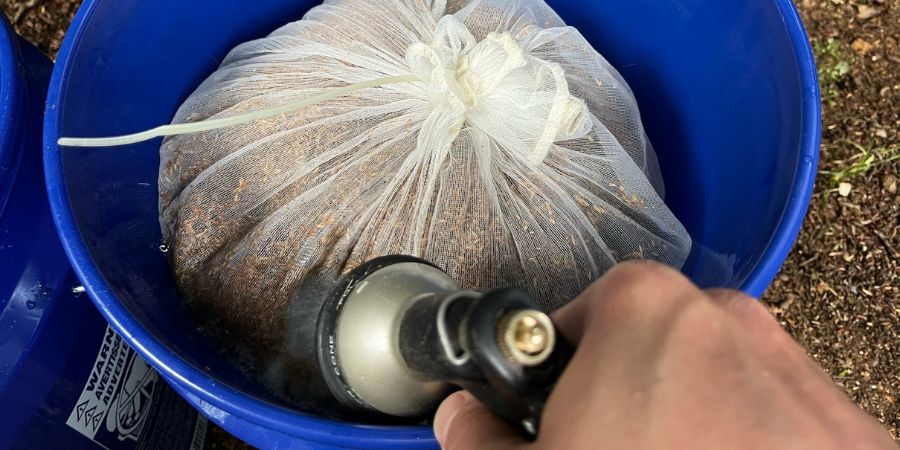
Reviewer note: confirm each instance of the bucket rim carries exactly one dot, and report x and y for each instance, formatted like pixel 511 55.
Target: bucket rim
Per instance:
pixel 208 392
pixel 794 213
pixel 12 109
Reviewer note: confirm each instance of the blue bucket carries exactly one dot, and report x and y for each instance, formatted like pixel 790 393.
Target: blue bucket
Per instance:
pixel 55 348
pixel 728 93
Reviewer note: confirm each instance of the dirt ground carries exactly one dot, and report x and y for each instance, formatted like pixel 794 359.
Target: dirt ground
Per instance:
pixel 839 292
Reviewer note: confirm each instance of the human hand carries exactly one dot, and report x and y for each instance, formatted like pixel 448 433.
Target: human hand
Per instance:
pixel 661 364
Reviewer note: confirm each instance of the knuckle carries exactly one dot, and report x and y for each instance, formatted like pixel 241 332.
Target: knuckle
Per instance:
pixel 644 272
pixel 636 293
pixel 729 295
pixel 705 320
pixel 644 285
pixel 749 311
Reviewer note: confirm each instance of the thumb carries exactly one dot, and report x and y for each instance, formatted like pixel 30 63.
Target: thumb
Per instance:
pixel 463 423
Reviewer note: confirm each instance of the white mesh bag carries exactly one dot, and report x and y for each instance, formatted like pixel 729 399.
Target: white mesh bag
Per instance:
pixel 498 144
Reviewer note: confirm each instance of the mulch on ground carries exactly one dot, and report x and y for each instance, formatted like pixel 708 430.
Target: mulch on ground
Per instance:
pixel 839 292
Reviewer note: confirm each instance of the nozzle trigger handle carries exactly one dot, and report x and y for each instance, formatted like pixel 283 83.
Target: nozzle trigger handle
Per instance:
pixel 513 386
pixel 499 346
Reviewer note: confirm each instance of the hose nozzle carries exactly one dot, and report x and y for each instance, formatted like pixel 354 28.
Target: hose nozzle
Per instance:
pixel 526 337
pixel 397 332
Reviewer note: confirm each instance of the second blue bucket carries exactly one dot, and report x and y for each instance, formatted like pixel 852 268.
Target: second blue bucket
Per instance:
pixel 727 90
pixel 66 379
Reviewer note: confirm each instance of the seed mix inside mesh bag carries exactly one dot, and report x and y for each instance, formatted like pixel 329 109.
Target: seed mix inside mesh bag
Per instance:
pixel 510 153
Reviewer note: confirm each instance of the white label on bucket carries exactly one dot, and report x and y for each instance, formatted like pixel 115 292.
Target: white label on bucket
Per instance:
pixel 123 395
pixel 116 397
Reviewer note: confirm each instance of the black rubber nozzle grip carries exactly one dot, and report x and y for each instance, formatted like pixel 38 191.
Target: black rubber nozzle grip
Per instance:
pixel 512 390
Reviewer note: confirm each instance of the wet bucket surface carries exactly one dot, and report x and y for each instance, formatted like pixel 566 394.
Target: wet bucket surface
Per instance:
pixel 727 91
pixel 32 264
pixel 56 350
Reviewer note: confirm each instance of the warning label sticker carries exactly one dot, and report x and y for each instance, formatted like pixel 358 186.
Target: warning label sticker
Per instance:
pixel 123 395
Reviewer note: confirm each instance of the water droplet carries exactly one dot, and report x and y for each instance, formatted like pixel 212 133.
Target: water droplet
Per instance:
pixel 807 160
pixel 41 291
pixel 164 247
pixel 30 304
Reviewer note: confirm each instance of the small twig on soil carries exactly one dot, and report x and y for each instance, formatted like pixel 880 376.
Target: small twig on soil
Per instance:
pixel 887 244
pixel 23 9
pixel 810 260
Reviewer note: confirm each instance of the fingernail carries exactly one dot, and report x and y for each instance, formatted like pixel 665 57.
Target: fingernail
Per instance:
pixel 448 411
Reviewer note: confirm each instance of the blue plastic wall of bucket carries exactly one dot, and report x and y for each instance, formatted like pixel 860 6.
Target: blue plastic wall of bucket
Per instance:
pixel 727 89
pixel 50 338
